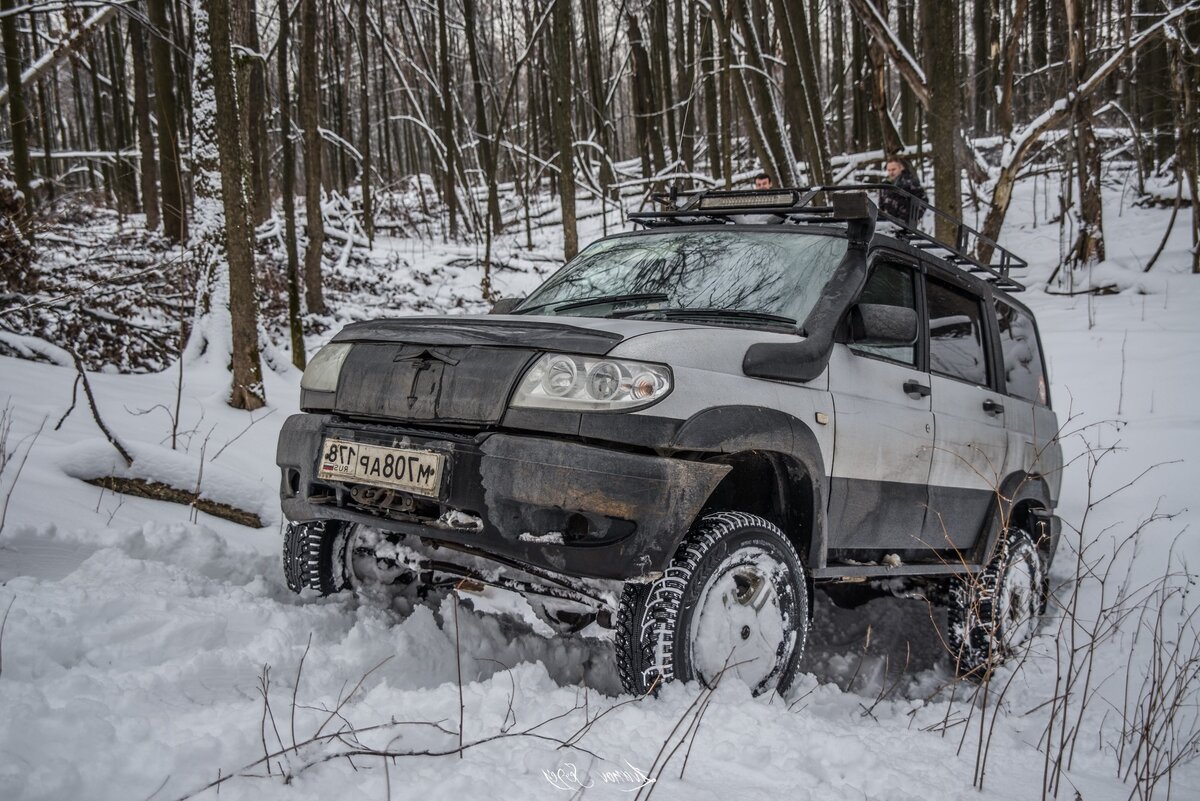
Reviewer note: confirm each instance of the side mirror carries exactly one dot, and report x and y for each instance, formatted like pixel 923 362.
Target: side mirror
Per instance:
pixel 505 305
pixel 877 324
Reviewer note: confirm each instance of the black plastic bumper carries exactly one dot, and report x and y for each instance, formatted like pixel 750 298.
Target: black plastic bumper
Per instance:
pixel 574 509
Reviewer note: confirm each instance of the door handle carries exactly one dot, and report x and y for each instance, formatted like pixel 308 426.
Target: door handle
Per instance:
pixel 916 389
pixel 993 408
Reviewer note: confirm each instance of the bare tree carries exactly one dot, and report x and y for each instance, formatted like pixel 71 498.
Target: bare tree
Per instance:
pixel 310 120
pixel 174 205
pixel 364 110
pixel 940 30
pixel 17 115
pixel 562 38
pixel 223 235
pixel 289 186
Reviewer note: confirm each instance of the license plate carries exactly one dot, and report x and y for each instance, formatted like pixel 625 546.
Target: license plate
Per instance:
pixel 418 472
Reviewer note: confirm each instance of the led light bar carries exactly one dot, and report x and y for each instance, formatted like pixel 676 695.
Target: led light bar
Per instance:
pixel 745 200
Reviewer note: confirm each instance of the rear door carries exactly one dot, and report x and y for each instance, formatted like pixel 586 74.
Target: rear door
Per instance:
pixel 883 431
pixel 1032 426
pixel 971 442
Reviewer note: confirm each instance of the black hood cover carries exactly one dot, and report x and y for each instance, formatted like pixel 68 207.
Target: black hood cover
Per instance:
pixel 452 370
pixel 493 332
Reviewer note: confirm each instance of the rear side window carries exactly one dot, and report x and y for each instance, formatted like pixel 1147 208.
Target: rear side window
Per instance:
pixel 956 346
pixel 1024 371
pixel 890 285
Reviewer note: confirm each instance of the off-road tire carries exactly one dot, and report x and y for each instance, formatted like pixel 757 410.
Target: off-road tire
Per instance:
pixel 654 619
pixel 988 610
pixel 314 556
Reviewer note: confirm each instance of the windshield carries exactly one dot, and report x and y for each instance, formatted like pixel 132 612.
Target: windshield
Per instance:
pixel 773 275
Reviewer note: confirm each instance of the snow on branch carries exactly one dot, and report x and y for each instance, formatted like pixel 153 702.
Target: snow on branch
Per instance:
pixel 62 49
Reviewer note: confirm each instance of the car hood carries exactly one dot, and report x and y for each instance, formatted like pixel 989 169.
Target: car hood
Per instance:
pixel 591 336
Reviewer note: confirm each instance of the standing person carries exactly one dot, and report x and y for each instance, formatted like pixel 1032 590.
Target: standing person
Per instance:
pixel 762 181
pixel 898 202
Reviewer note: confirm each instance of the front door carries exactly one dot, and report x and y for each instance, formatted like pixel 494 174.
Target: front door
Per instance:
pixel 883 432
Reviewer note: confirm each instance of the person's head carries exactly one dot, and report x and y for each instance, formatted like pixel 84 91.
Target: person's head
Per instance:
pixel 895 167
pixel 762 181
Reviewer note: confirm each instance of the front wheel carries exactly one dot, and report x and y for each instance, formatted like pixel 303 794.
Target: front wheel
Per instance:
pixel 733 601
pixel 314 555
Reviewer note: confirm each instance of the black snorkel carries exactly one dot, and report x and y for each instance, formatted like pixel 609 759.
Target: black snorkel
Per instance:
pixel 805 360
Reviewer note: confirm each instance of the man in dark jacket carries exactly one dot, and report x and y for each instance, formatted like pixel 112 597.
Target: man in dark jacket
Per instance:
pixel 898 202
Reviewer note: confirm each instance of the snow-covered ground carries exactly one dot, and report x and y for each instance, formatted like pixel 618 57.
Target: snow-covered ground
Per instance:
pixel 142 637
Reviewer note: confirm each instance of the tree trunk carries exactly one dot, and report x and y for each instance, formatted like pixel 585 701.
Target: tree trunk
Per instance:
pixel 174 206
pixel 252 94
pixel 364 124
pixel 595 77
pixel 564 130
pixel 446 109
pixel 712 117
pixel 800 71
pixel 126 177
pixel 1089 246
pixel 141 110
pixel 17 116
pixel 649 135
pixel 766 112
pixel 660 76
pixel 486 146
pixel 288 147
pixel 222 173
pixel 751 113
pixel 1004 111
pixel 941 49
pixel 310 120
pixel 908 105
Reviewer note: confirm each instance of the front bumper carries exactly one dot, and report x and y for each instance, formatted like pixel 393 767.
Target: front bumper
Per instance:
pixel 573 509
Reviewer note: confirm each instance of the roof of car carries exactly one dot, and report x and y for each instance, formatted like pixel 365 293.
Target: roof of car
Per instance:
pixel 822 205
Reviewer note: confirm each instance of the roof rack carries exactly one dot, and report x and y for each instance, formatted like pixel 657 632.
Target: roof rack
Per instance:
pixel 845 203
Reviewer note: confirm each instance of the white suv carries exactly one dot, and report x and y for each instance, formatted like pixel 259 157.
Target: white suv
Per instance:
pixel 690 428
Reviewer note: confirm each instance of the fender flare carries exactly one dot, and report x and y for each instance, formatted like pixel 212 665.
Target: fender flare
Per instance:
pixel 1017 488
pixel 740 429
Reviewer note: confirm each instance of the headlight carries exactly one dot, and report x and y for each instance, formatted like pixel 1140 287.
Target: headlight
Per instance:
pixel 585 383
pixel 321 375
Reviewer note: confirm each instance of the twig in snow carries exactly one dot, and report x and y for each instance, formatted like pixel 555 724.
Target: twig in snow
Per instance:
pixel 4 623
pixel 458 664
pixel 87 391
pixel 1170 224
pixel 250 425
pixel 6 458
pixel 296 688
pixel 71 408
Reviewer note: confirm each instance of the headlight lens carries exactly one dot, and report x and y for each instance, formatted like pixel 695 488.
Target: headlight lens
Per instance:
pixel 321 375
pixel 584 383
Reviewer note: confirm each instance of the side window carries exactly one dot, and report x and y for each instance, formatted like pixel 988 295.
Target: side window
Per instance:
pixel 1024 371
pixel 890 285
pixel 956 346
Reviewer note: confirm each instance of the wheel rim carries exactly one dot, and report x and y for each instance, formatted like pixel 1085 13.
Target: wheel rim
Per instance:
pixel 1015 616
pixel 741 622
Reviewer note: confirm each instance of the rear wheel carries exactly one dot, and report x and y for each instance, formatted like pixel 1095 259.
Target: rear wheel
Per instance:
pixel 994 614
pixel 734 601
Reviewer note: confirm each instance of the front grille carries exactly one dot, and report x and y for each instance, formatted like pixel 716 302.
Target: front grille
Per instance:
pixel 447 385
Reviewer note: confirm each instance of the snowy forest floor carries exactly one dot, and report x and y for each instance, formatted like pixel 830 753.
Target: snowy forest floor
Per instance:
pixel 150 649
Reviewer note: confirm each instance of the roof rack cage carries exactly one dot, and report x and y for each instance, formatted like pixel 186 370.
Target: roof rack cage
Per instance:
pixel 823 204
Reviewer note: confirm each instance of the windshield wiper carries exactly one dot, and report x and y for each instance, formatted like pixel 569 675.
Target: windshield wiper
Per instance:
pixel 708 312
pixel 635 297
